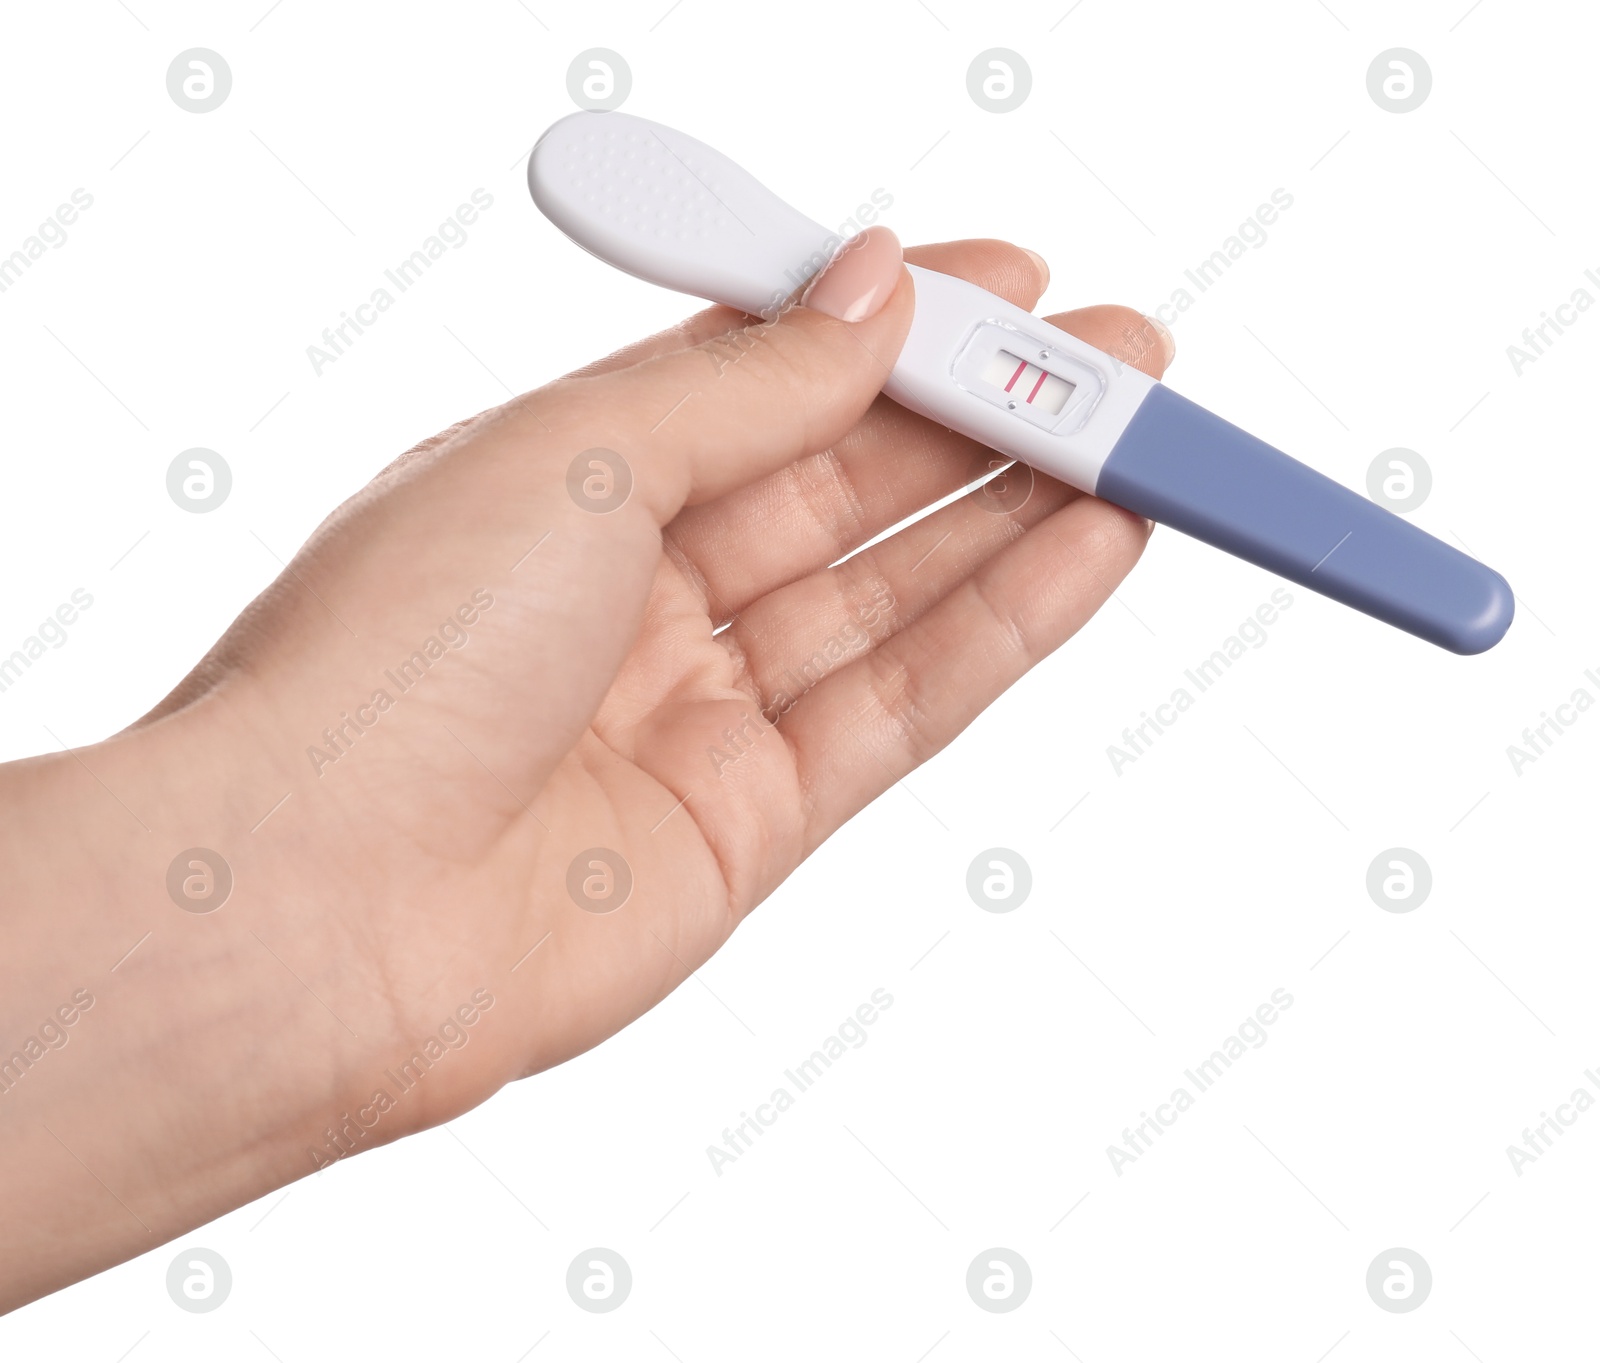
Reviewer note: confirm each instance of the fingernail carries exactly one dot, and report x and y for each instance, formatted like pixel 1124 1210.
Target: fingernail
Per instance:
pixel 1169 346
pixel 1041 267
pixel 857 282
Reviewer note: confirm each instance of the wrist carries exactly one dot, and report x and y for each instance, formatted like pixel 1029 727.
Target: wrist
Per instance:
pixel 163 1058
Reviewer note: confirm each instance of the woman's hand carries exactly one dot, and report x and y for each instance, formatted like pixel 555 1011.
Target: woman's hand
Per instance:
pixel 511 747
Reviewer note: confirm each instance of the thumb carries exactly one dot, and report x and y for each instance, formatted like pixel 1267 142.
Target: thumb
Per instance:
pixel 703 421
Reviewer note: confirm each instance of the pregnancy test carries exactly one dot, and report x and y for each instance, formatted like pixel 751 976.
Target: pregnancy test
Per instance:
pixel 669 209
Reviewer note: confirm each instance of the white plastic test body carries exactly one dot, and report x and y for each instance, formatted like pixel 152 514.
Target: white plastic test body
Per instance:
pixel 669 209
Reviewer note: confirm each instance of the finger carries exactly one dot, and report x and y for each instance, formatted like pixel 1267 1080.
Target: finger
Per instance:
pixel 692 331
pixel 871 723
pixel 790 640
pixel 998 266
pixel 891 465
pixel 1012 272
pixel 702 326
pixel 694 424
pixel 821 507
pixel 709 322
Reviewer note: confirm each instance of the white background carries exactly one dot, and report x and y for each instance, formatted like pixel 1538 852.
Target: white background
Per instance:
pixel 1227 862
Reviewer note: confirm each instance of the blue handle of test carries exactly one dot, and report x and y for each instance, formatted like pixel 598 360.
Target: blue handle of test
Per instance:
pixel 1183 466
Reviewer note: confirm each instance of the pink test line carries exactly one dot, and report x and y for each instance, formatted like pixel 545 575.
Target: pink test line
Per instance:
pixel 1017 375
pixel 1043 374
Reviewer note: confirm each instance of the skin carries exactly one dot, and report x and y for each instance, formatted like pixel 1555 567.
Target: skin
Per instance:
pixel 432 856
